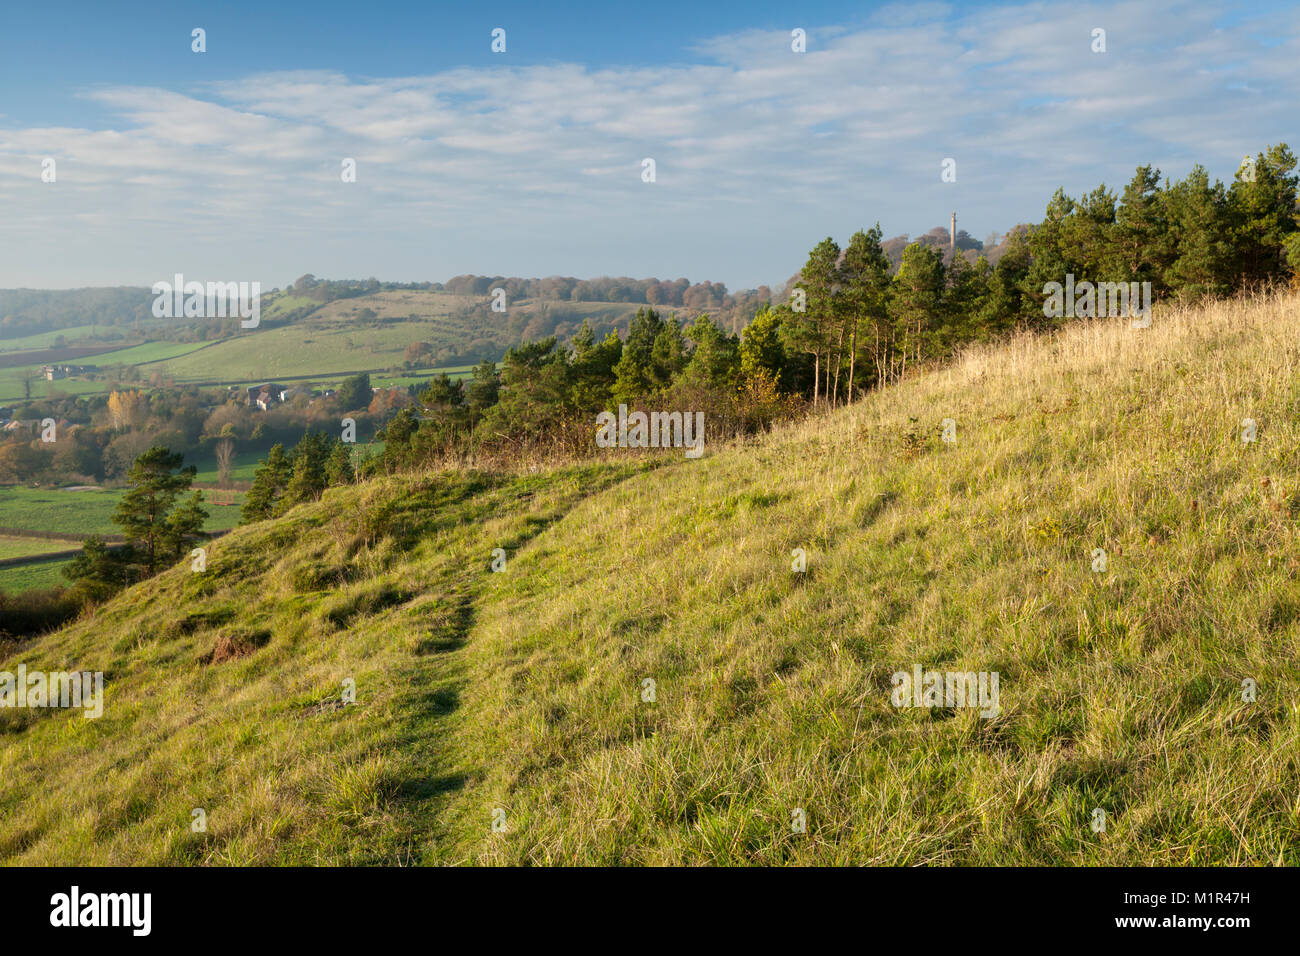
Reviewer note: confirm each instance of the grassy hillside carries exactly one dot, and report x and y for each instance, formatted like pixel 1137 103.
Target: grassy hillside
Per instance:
pixel 523 690
pixel 45 340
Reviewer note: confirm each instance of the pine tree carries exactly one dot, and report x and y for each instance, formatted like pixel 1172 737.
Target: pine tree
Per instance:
pixel 967 286
pixel 184 525
pixel 1200 223
pixel 668 357
pixel 1141 247
pixel 865 273
pixel 156 479
pixel 1008 303
pixel 634 378
pixel 100 571
pixel 269 483
pixel 482 391
pixel 307 479
pixel 592 367
pixel 338 469
pixel 713 362
pixel 1263 215
pixel 809 331
pixel 918 293
pixel 534 393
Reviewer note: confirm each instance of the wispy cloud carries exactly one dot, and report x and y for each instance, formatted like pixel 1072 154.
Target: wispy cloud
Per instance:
pixel 531 170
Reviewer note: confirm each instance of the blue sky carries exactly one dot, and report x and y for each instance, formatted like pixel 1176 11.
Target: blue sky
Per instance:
pixel 225 164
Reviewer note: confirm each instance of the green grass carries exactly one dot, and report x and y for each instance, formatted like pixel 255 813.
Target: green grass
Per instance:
pixel 245 466
pixel 84 512
pixel 268 354
pixel 30 577
pixel 18 547
pixel 73 335
pixel 421 377
pixel 67 512
pixel 522 691
pixel 149 352
pixel 284 302
pixel 12 387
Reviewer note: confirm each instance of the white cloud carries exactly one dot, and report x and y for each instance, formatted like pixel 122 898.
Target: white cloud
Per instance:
pixel 760 151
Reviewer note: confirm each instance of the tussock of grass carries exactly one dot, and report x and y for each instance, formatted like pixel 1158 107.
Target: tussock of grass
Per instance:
pixel 523 690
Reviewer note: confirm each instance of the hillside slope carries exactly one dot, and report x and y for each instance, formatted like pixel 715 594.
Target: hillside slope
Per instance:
pixel 521 693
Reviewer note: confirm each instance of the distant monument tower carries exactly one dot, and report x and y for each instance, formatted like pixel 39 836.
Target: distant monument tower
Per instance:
pixel 952 235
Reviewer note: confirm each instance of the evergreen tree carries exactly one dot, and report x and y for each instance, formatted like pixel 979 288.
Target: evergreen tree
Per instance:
pixel 307 478
pixel 156 480
pixel 1090 233
pixel 100 571
pixel 1263 214
pixel 1052 257
pixel 668 357
pixel 865 273
pixel 763 356
pixel 269 483
pixel 184 526
pixel 483 389
pixel 1008 304
pixel 967 287
pixel 634 375
pixel 1141 250
pixel 338 469
pixel 1200 224
pixel 917 295
pixel 810 331
pixel 534 393
pixel 592 367
pixel 714 359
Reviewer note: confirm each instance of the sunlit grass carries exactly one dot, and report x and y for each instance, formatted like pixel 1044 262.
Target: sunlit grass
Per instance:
pixel 523 691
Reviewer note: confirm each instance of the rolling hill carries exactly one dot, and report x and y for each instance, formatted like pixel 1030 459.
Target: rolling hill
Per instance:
pixel 300 338
pixel 520 698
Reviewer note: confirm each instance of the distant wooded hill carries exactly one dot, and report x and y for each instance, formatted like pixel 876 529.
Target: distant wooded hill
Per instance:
pixel 25 312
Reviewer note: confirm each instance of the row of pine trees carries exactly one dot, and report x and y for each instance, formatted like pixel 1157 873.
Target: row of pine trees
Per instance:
pixel 851 323
pixel 863 327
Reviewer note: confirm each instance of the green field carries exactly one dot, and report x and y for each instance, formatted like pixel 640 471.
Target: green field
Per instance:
pixel 17 547
pixel 421 377
pixel 149 352
pixel 30 577
pixel 67 512
pixel 11 385
pixel 266 355
pixel 244 468
pixel 80 512
pixel 72 335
